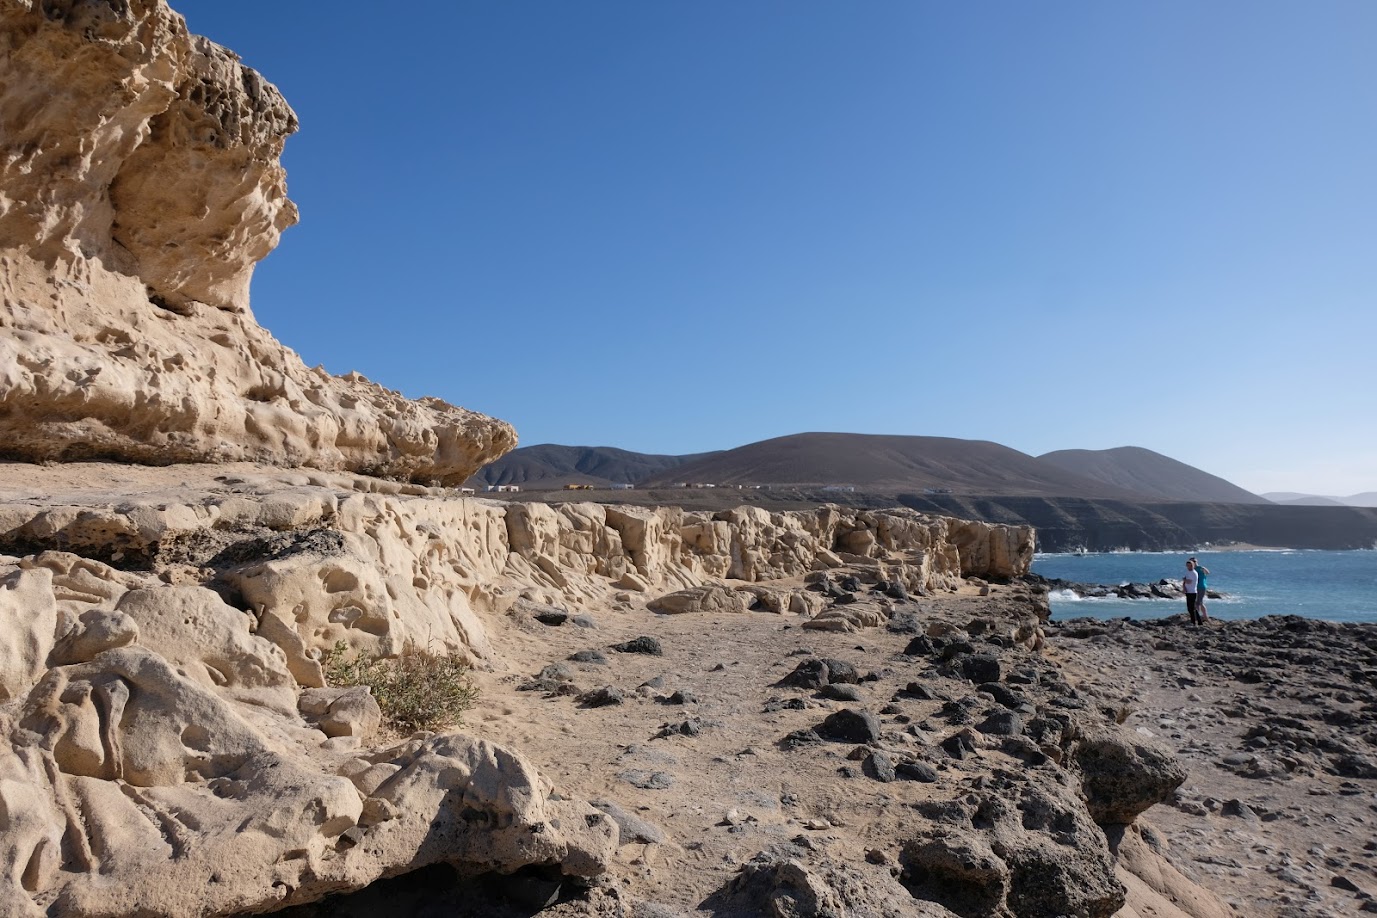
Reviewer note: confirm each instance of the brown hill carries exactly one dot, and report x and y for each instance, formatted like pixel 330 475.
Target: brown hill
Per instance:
pixel 1142 471
pixel 549 465
pixel 882 463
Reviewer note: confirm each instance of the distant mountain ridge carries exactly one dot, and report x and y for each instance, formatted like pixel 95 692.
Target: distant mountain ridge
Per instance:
pixel 1150 474
pixel 875 463
pixel 878 462
pixel 1365 499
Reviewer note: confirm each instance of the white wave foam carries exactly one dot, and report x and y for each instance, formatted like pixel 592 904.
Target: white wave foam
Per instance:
pixel 1072 596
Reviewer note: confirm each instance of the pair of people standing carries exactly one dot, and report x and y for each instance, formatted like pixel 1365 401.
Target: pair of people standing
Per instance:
pixel 1194 586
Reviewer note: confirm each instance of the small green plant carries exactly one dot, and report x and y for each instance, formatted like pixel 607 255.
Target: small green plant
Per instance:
pixel 419 690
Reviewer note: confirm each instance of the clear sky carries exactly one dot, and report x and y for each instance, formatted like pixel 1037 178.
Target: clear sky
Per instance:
pixel 682 226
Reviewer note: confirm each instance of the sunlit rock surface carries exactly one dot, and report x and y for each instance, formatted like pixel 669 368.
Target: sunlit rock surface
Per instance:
pixel 140 184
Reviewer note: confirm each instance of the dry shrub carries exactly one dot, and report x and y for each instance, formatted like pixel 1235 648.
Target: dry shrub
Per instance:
pixel 418 690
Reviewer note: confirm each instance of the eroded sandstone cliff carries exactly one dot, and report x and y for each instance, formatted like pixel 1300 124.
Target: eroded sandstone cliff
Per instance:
pixel 320 559
pixel 140 184
pixel 161 644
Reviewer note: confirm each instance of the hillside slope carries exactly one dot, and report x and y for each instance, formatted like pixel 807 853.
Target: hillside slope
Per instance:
pixel 1070 523
pixel 1150 474
pixel 1302 500
pixel 551 465
pixel 876 462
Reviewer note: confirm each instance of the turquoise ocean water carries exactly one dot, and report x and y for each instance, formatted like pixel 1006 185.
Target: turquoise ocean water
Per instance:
pixel 1336 585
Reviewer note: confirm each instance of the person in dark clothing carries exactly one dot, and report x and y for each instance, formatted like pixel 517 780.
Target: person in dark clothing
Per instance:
pixel 1190 584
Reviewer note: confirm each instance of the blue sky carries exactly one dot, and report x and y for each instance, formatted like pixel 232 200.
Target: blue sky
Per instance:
pixel 674 227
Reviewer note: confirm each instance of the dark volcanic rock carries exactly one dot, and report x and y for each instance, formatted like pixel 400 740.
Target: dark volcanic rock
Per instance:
pixel 959 745
pixel 784 704
pixel 1238 809
pixel 830 588
pixel 1003 723
pixel 917 690
pixel 679 698
pixel 916 771
pixel 841 692
pixel 849 726
pixel 1025 750
pixel 841 671
pixel 904 623
pixel 921 646
pixel 691 727
pixel 963 711
pixel 550 678
pixel 951 650
pixel 779 885
pixel 1020 851
pixel 808 674
pixel 801 738
pixel 1003 694
pixel 879 766
pixel 642 644
pixel 1123 776
pixel 982 667
pixel 1283 702
pixel 1355 765
pixel 958 871
pixel 601 697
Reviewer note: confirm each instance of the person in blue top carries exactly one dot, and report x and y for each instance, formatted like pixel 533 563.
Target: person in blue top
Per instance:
pixel 1202 572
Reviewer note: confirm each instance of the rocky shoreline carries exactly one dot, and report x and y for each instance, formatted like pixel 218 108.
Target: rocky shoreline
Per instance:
pixel 1275 722
pixel 1160 589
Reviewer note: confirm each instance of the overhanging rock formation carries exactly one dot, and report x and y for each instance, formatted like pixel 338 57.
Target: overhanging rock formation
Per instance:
pixel 139 185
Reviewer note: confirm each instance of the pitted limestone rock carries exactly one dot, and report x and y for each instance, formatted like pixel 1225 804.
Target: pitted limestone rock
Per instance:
pixel 140 184
pixel 167 742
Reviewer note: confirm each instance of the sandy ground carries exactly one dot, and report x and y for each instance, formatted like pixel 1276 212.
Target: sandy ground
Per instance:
pixel 729 791
pixel 732 790
pixel 1300 845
